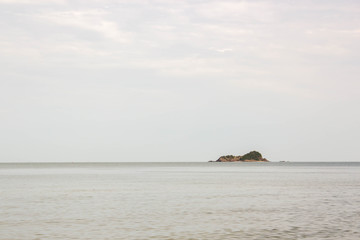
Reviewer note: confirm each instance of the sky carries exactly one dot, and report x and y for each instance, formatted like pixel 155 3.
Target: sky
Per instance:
pixel 179 81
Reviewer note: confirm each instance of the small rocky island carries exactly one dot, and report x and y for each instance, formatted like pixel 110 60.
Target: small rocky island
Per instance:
pixel 252 156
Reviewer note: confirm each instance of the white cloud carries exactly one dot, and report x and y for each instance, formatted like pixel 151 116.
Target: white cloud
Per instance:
pixel 93 20
pixel 224 50
pixel 33 2
pixel 244 11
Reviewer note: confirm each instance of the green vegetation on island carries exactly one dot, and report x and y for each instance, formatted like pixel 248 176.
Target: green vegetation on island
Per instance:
pixel 252 156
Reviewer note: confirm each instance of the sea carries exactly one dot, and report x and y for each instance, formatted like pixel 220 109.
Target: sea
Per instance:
pixel 209 200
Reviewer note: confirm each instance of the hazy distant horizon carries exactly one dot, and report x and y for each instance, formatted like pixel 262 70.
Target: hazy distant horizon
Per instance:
pixel 178 81
pixel 282 163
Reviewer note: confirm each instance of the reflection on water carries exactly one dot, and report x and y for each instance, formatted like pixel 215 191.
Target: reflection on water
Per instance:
pixel 180 201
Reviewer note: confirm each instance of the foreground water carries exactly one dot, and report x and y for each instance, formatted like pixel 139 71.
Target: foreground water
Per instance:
pixel 180 201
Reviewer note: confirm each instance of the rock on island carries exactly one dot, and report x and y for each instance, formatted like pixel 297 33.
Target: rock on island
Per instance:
pixel 252 156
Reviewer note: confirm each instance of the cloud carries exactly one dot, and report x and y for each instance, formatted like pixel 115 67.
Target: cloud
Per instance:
pixel 73 63
pixel 243 11
pixel 33 2
pixel 224 50
pixel 92 20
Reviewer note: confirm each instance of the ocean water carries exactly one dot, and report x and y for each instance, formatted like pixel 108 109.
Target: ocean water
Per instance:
pixel 180 201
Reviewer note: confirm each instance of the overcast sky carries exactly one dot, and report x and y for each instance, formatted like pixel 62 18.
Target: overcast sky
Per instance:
pixel 112 80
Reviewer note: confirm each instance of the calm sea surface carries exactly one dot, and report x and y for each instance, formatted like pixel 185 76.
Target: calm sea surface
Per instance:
pixel 180 201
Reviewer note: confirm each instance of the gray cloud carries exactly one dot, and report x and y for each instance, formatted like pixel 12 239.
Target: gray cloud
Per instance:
pixel 145 80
